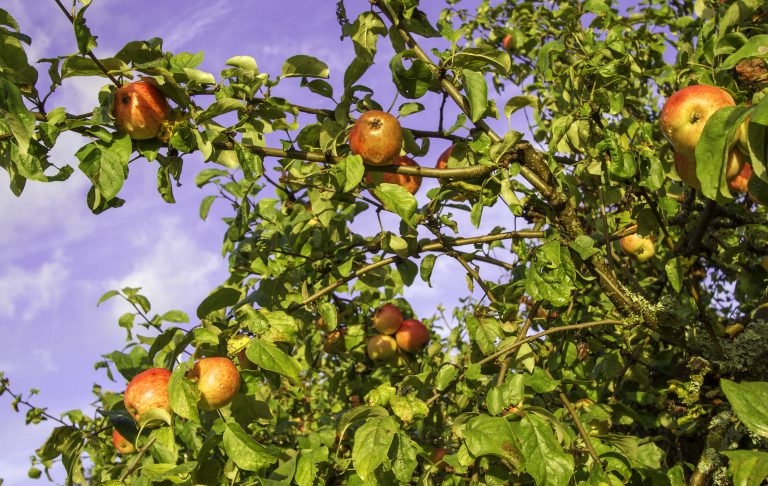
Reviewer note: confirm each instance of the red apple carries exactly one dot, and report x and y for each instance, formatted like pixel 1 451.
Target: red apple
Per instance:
pixel 218 381
pixel 122 445
pixel 412 335
pixel 508 42
pixel 408 182
pixel 376 136
pixel 140 109
pixel 442 163
pixel 381 347
pixel 334 343
pixel 638 247
pixel 148 390
pixel 686 112
pixel 387 319
pixel 740 183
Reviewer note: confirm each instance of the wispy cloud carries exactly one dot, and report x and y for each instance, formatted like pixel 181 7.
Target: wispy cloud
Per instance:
pixel 26 292
pixel 184 30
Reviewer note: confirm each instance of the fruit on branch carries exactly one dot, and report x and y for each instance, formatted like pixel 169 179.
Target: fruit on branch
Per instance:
pixel 408 182
pixel 387 319
pixel 376 137
pixel 638 246
pixel 381 347
pixel 740 183
pixel 218 381
pixel 686 112
pixel 122 445
pixel 686 168
pixel 146 391
pixel 334 343
pixel 412 335
pixel 245 363
pixel 140 109
pixel 764 263
pixel 442 163
pixel 508 42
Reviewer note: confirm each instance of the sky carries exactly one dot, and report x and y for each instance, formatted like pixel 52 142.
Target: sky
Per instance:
pixel 57 259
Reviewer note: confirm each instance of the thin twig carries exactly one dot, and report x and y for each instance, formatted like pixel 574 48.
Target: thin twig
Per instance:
pixel 137 460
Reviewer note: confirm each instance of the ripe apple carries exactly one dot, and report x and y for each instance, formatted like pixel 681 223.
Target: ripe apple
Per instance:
pixel 140 109
pixel 381 347
pixel 376 136
pixel 387 319
pixel 740 183
pixel 407 182
pixel 412 335
pixel 638 246
pixel 686 112
pixel 122 445
pixel 685 167
pixel 508 42
pixel 334 343
pixel 148 390
pixel 218 381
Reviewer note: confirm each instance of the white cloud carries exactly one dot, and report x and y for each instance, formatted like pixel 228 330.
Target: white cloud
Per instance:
pixel 44 360
pixel 26 292
pixel 173 271
pixel 195 25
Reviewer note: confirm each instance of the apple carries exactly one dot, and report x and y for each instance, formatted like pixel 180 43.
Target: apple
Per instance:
pixel 407 182
pixel 122 445
pixel 245 363
pixel 638 246
pixel 140 109
pixel 412 335
pixel 387 319
pixel 334 343
pixel 764 263
pixel 685 167
pixel 686 112
pixel 148 390
pixel 381 347
pixel 740 183
pixel 376 137
pixel 218 381
pixel 508 42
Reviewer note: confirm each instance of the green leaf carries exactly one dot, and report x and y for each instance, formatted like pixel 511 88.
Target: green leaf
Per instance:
pixel 220 298
pixel 492 436
pixel 484 332
pixel 756 46
pixel 408 408
pixel 350 172
pixel 106 296
pixel 85 41
pixel 713 148
pixel 58 441
pixel 304 66
pixel 184 395
pixel 85 66
pixel 584 246
pixel 186 60
pixel 750 403
pixel 517 102
pixel 246 63
pixel 306 468
pixel 482 59
pixel 244 450
pixel 372 441
pixel 365 31
pixel 106 165
pixel 205 206
pixel 268 356
pixel 674 269
pixel 426 268
pixel 445 376
pixel 405 461
pixel 477 93
pixel 199 76
pixel 329 315
pixel 414 82
pixel 362 412
pixel 545 459
pixel 175 316
pixel 169 472
pixel 396 199
pixel 219 107
pixel 749 468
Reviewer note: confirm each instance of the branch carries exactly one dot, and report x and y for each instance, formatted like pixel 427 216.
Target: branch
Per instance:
pixel 89 53
pixel 139 455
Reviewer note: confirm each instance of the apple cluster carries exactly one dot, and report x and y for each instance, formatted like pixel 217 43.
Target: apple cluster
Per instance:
pixel 217 379
pixel 410 335
pixel 682 120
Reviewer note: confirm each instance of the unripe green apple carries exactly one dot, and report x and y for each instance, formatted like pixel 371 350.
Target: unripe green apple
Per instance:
pixel 218 381
pixel 148 390
pixel 638 247
pixel 412 335
pixel 387 319
pixel 381 347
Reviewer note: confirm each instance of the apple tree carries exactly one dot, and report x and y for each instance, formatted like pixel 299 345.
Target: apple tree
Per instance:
pixel 584 361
